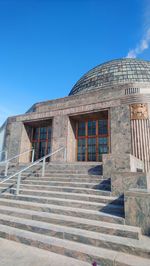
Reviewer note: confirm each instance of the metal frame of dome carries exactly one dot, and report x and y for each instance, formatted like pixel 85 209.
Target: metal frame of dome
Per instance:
pixel 125 70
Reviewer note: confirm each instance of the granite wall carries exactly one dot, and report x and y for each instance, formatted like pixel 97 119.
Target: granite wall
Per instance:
pixel 137 209
pixel 14 144
pixel 123 181
pixel 120 130
pixel 59 136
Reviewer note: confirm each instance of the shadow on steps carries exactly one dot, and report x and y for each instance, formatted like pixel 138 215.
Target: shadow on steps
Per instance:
pixel 115 207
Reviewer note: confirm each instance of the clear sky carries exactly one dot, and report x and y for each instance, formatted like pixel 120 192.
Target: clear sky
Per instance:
pixel 47 45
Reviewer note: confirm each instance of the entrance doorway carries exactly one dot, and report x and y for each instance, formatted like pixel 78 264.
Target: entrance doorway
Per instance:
pixel 92 135
pixel 41 141
pixel 40 133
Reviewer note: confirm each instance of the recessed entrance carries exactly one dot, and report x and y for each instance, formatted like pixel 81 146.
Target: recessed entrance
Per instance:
pixel 40 136
pixel 92 135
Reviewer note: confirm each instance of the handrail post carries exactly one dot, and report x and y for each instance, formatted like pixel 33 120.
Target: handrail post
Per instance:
pixel 6 168
pixel 33 152
pixel 6 155
pixel 18 184
pixel 65 154
pixel 43 168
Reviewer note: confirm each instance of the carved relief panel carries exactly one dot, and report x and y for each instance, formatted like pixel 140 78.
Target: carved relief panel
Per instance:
pixel 139 111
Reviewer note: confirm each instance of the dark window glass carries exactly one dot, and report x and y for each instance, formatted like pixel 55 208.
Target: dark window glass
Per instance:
pixel 42 150
pixel 43 133
pixel 91 128
pixel 49 132
pixel 91 149
pixel 102 147
pixel 102 127
pixel 81 149
pixel 103 140
pixel 35 133
pixel 81 129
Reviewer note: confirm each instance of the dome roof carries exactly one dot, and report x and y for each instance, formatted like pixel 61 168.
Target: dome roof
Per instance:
pixel 114 72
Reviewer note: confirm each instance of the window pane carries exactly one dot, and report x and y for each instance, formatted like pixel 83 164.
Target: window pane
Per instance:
pixel 92 149
pixel 35 133
pixel 102 127
pixel 81 129
pixel 42 149
pixel 91 128
pixel 49 132
pixel 103 140
pixel 43 133
pixel 102 147
pixel 81 149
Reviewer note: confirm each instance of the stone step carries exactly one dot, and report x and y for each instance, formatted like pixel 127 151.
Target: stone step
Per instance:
pixel 79 166
pixel 132 246
pixel 87 198
pixel 72 249
pixel 40 204
pixel 29 255
pixel 105 207
pixel 77 178
pixel 34 183
pixel 26 182
pixel 65 183
pixel 53 172
pixel 68 189
pixel 71 222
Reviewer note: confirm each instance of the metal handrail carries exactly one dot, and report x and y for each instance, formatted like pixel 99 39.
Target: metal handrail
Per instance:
pixel 32 164
pixel 16 156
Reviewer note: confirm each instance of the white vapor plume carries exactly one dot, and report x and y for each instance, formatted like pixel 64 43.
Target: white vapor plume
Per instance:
pixel 143 45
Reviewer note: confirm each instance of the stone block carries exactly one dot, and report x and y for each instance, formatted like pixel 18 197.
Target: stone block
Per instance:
pixel 120 162
pixel 123 181
pixel 137 209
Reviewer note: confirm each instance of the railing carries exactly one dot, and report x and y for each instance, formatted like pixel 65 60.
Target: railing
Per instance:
pixel 7 161
pixel 31 165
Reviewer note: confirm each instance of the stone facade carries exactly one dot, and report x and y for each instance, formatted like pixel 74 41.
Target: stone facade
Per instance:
pixel 61 111
pixel 137 209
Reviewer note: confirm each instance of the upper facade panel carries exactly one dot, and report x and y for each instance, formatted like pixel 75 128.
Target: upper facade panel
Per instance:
pixel 119 71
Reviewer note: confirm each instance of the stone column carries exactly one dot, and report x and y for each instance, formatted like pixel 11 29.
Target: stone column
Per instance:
pixel 59 136
pixel 71 141
pixel 14 139
pixel 25 145
pixel 120 141
pixel 140 133
pixel 120 130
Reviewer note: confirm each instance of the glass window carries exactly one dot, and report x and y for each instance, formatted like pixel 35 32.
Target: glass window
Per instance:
pixel 43 133
pixel 35 133
pixel 92 149
pixel 91 128
pixel 81 149
pixel 102 127
pixel 49 132
pixel 41 141
pixel 103 140
pixel 92 139
pixel 81 129
pixel 42 146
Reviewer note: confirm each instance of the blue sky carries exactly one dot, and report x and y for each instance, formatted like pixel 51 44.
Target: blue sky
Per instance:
pixel 47 45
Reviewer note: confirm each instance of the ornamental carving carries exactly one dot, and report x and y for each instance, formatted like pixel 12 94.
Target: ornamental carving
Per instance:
pixel 139 111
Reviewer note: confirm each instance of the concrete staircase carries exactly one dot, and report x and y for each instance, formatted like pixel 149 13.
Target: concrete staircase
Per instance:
pixel 71 212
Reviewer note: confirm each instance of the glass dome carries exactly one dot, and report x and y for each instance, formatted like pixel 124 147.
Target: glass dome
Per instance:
pixel 114 72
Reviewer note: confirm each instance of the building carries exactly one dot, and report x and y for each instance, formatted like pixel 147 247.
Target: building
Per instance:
pixel 92 201
pixel 105 117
